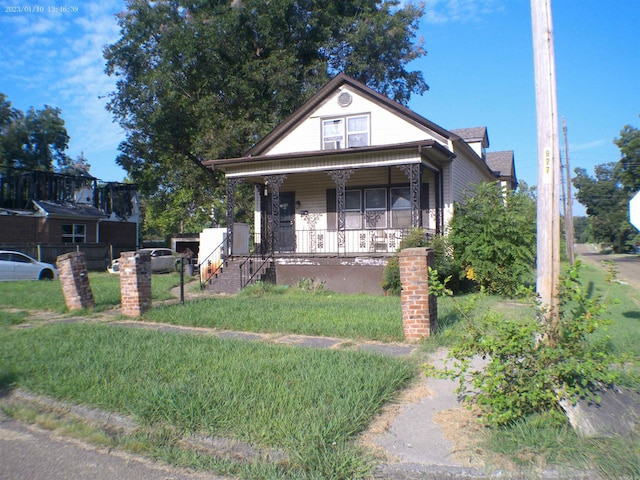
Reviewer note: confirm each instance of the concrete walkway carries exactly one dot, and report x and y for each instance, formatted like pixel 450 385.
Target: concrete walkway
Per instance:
pixel 424 436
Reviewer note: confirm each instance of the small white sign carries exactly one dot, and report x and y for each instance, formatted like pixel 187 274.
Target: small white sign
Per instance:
pixel 634 211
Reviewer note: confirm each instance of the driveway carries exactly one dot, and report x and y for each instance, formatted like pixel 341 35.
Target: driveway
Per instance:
pixel 627 265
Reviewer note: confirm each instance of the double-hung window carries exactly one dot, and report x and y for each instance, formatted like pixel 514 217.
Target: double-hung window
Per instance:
pixel 400 207
pixel 74 233
pixel 345 132
pixel 353 209
pixel 375 207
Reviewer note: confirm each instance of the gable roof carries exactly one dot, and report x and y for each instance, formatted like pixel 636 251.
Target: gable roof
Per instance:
pixel 329 89
pixel 503 164
pixel 474 134
pixel 68 210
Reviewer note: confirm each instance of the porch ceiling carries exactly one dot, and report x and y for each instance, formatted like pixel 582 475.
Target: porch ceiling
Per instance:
pixel 428 152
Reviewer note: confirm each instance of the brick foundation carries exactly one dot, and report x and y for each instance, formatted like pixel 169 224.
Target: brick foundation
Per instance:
pixel 419 308
pixel 135 283
pixel 72 270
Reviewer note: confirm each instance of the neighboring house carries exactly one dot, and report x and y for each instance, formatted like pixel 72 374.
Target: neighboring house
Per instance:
pixel 58 211
pixel 339 182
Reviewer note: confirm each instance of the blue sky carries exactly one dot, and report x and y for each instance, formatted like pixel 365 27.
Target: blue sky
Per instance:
pixel 479 66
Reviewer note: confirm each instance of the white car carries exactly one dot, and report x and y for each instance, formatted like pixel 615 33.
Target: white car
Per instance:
pixel 162 260
pixel 18 266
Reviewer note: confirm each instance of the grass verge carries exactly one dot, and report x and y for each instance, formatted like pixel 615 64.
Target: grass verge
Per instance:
pixel 47 296
pixel 308 403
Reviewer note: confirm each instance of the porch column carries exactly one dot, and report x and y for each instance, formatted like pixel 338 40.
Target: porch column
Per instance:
pixel 273 227
pixel 340 177
pixel 413 172
pixel 232 183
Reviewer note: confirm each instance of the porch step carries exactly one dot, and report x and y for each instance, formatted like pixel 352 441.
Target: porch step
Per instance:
pixel 228 278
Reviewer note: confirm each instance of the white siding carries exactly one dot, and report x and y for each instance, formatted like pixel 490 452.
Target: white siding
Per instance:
pixel 386 127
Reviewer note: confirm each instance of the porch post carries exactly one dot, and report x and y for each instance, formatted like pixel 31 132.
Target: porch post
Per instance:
pixel 414 172
pixel 274 182
pixel 340 177
pixel 232 183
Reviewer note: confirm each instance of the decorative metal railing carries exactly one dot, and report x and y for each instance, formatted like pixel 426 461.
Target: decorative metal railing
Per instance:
pixel 253 266
pixel 347 242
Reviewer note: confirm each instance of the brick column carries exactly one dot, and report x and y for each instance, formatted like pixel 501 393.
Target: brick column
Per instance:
pixel 72 270
pixel 419 308
pixel 135 283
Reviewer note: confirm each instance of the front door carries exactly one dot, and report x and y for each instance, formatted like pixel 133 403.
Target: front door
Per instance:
pixel 286 238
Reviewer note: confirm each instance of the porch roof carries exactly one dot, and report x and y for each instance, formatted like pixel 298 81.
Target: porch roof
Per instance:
pixel 429 152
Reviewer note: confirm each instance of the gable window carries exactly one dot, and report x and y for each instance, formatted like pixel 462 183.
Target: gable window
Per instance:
pixel 345 132
pixel 74 233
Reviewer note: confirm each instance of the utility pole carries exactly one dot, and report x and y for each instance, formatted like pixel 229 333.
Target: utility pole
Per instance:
pixel 568 214
pixel 548 217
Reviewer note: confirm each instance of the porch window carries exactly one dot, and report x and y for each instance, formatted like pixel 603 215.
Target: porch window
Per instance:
pixel 74 233
pixel 352 209
pixel 401 207
pixel 375 207
pixel 345 132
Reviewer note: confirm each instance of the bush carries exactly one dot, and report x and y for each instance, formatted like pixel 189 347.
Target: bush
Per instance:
pixel 391 283
pixel 493 237
pixel 532 365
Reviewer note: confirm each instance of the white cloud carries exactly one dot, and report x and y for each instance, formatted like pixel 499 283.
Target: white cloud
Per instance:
pixel 442 11
pixel 579 147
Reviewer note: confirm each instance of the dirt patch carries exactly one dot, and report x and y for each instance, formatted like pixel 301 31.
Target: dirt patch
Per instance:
pixel 461 426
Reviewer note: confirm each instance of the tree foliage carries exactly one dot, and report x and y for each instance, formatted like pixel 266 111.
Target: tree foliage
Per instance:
pixel 607 205
pixel 606 195
pixel 524 375
pixel 36 140
pixel 203 80
pixel 493 236
pixel 628 167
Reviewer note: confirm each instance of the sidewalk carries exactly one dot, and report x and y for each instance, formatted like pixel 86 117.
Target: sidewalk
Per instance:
pixel 426 435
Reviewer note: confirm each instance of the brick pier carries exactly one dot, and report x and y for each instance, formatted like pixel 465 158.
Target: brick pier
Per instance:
pixel 74 279
pixel 419 308
pixel 135 283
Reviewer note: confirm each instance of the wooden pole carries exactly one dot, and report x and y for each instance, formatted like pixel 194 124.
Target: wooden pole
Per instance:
pixel 548 217
pixel 568 215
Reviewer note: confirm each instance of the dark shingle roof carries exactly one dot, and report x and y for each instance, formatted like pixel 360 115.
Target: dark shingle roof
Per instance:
pixel 502 164
pixel 474 134
pixel 69 210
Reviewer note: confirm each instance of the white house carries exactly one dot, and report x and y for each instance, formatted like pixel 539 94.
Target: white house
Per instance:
pixel 347 174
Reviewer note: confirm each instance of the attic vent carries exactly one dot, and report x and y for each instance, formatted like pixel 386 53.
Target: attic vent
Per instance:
pixel 344 99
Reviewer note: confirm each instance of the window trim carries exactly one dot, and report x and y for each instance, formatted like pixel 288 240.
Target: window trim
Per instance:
pixel 342 140
pixel 74 237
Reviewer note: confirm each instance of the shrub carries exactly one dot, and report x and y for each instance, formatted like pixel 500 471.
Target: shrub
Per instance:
pixel 493 237
pixel 530 365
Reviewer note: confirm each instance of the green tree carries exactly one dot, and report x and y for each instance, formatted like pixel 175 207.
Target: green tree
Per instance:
pixel 628 167
pixel 35 141
pixel 607 205
pixel 207 79
pixel 493 235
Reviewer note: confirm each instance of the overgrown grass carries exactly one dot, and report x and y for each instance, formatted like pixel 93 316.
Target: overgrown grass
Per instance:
pixel 47 296
pixel 307 402
pixel 289 310
pixel 541 442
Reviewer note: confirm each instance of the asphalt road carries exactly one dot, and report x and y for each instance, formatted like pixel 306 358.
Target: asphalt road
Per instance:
pixel 627 265
pixel 30 453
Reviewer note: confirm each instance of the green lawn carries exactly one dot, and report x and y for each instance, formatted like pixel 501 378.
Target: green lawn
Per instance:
pixel 47 295
pixel 307 403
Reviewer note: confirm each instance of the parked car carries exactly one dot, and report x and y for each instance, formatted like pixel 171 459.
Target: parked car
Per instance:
pixel 162 260
pixel 18 266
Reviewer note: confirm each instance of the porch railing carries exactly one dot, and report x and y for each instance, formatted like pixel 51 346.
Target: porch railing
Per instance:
pixel 254 265
pixel 348 242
